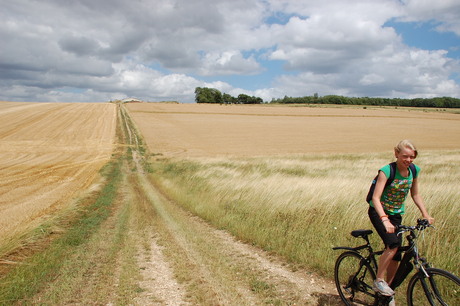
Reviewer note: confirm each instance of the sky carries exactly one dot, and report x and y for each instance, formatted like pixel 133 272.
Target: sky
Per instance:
pixel 161 50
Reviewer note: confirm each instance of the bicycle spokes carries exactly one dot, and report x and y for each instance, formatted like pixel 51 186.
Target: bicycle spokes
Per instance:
pixel 354 278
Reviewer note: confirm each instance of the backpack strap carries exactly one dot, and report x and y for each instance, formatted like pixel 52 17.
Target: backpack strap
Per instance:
pixel 392 174
pixel 414 170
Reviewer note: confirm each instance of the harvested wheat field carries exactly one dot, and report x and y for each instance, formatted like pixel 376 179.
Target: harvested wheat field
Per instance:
pixel 49 153
pixel 191 130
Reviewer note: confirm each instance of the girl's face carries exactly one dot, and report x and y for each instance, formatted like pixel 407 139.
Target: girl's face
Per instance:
pixel 405 157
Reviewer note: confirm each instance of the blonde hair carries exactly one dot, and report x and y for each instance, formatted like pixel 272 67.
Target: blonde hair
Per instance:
pixel 406 144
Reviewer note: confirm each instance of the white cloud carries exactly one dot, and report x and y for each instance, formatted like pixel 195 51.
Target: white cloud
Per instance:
pixel 324 43
pixel 392 72
pixel 372 78
pixel 227 63
pixel 163 49
pixel 446 12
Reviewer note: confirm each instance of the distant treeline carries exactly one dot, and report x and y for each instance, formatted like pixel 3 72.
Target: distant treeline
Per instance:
pixel 441 102
pixel 212 95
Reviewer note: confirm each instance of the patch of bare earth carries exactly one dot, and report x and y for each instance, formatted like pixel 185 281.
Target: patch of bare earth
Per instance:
pixel 158 282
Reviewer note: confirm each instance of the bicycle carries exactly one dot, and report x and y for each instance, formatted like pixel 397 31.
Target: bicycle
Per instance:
pixel 355 272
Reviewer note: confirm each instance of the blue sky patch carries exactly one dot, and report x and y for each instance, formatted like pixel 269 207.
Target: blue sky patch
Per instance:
pixel 424 35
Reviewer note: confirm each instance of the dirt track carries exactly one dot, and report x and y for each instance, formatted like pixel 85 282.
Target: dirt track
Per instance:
pixel 50 152
pixel 186 261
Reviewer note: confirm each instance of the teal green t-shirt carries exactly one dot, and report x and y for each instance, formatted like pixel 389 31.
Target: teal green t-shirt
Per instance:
pixel 394 195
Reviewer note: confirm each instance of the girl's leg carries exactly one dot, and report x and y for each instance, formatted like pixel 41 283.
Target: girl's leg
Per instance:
pixel 387 266
pixel 391 270
pixel 384 263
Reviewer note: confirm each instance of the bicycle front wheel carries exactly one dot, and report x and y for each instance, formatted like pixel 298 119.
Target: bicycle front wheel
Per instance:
pixel 439 288
pixel 354 278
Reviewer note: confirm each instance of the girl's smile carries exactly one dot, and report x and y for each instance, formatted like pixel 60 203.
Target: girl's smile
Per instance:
pixel 404 158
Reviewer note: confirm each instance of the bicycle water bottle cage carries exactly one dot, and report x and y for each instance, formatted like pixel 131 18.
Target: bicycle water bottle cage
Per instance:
pixel 361 233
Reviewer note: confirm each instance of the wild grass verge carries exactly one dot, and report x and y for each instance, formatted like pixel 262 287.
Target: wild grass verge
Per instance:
pixel 31 275
pixel 300 207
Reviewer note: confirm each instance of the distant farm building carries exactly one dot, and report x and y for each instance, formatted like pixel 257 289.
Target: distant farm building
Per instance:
pixel 131 100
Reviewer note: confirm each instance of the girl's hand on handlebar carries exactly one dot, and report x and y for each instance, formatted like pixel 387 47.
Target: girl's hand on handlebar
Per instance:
pixel 429 218
pixel 389 227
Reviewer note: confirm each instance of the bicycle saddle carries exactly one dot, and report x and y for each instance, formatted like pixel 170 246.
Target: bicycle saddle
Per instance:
pixel 361 233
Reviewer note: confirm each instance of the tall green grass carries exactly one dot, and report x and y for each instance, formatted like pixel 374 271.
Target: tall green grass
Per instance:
pixel 302 206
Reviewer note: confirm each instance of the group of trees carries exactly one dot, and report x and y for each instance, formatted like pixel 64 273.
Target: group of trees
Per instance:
pixel 212 95
pixel 440 102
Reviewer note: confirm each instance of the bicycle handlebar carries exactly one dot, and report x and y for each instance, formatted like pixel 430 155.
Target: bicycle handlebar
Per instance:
pixel 421 225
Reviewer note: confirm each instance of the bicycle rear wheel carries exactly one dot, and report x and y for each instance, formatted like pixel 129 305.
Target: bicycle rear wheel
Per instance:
pixel 440 288
pixel 354 278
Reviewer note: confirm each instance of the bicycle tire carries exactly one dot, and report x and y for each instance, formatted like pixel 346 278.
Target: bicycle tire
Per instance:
pixel 442 288
pixel 354 278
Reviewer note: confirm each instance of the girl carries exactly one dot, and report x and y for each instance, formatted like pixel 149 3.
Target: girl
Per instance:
pixel 387 206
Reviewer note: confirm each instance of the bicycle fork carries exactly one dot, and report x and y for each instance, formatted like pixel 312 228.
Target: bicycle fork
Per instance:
pixel 429 287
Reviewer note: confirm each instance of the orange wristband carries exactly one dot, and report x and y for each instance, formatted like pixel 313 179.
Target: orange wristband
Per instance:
pixel 384 216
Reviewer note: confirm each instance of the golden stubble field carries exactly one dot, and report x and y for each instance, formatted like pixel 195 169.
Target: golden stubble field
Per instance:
pixel 49 153
pixel 52 151
pixel 197 130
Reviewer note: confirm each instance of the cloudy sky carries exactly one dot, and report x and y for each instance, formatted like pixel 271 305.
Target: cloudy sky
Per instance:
pixel 157 50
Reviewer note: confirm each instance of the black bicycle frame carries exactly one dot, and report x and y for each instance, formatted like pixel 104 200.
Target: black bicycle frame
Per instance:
pixel 404 268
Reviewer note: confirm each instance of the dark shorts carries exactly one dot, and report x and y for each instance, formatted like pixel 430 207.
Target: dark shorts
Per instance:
pixel 390 240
